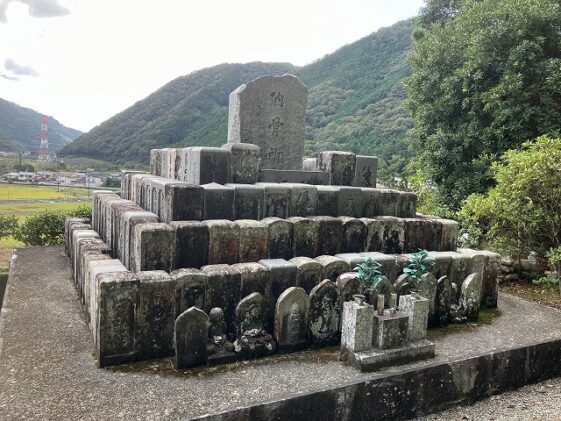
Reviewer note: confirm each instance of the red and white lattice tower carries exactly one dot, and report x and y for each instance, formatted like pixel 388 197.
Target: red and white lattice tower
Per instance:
pixel 44 147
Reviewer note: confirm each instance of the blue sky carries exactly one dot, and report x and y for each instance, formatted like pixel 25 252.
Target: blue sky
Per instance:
pixel 83 61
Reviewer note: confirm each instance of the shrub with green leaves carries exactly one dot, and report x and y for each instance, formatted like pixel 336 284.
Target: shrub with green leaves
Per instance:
pixel 369 274
pixel 8 225
pixel 419 264
pixel 46 228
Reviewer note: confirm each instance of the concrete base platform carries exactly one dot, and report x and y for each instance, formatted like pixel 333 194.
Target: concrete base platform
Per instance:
pixel 47 370
pixel 377 358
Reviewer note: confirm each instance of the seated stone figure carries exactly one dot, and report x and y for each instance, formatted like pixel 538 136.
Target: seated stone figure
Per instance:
pixel 219 349
pixel 253 340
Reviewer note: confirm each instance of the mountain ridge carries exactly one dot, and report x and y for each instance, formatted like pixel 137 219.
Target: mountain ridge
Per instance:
pixel 355 103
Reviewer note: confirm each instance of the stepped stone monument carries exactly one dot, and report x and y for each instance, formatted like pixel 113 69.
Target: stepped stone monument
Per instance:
pixel 257 245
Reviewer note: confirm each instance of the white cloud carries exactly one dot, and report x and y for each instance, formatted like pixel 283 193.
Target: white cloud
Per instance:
pixel 19 69
pixel 37 8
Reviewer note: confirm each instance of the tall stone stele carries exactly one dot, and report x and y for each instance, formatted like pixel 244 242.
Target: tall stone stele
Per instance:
pixel 270 112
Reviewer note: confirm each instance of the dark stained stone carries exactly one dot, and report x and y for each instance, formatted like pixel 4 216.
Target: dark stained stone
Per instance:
pixel 182 202
pixel 223 291
pixel 276 201
pixel 190 289
pixel 223 242
pixel 339 165
pixel 253 340
pixel 245 162
pixel 190 338
pixel 283 276
pixel 253 240
pixel 325 314
pixel 350 202
pixel 309 272
pixel 248 201
pixel 443 301
pixel 328 200
pixel 156 315
pixel 191 244
pixel 348 285
pixel 279 237
pixel 218 202
pixel 294 176
pixel 291 320
pixel 330 235
pixel 303 199
pixel 354 235
pixel 305 236
pixel 154 247
pixel 332 267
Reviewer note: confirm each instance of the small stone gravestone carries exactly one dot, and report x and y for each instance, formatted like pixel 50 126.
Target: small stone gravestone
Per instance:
pixel 443 301
pixel 427 289
pixel 383 287
pixel 291 320
pixel 190 289
pixel 325 314
pixel 308 274
pixel 219 349
pixel 348 285
pixel 253 340
pixel 470 298
pixel 190 338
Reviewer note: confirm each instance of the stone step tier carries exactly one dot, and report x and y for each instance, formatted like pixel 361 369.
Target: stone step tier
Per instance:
pixel 241 163
pixel 173 200
pixel 131 315
pixel 143 243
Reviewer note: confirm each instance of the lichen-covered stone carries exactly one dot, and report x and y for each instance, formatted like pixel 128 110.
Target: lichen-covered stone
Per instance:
pixel 223 242
pixel 253 240
pixel 291 320
pixel 325 314
pixel 190 338
pixel 309 272
pixel 280 233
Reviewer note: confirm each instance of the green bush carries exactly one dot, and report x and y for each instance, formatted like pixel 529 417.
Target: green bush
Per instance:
pixel 8 225
pixel 369 274
pixel 523 212
pixel 419 264
pixel 46 228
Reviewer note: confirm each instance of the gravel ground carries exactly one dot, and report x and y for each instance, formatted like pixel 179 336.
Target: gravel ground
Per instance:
pixel 540 401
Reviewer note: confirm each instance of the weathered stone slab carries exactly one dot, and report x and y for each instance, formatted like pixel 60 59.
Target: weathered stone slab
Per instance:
pixel 84 278
pixel 125 183
pixel 116 325
pixel 223 242
pixel 223 291
pixel 77 236
pixel 219 349
pixel 156 162
pixel 245 162
pixel 88 247
pixel 356 330
pixel 169 163
pixel 390 330
pixel 303 199
pixel 276 200
pixel 443 301
pixel 352 259
pixel 191 244
pixel 117 211
pixel 427 289
pixel 279 238
pixel 190 337
pixel 208 165
pixel 182 202
pixel 406 205
pixel 332 267
pixel 449 240
pixel 291 320
pixel 366 171
pixel 310 164
pixel 348 285
pixel 218 202
pixel 156 314
pixel 71 222
pixel 325 315
pixel 404 285
pixel 390 268
pixel 253 341
pixel 417 308
pixel 328 200
pixel 340 166
pixel 418 234
pixel 330 235
pixel 130 219
pixel 270 113
pixel 354 235
pixel 143 193
pixel 95 268
pixel 253 240
pixel 305 235
pixel 106 221
pixel 248 201
pixel 190 289
pixel 308 274
pixel 294 176
pixel 254 277
pixel 283 276
pixel 394 237
pixel 350 202
pixel 388 202
pixel 371 202
pixel 374 234
pixel 154 247
pixel 383 287
pixel 470 298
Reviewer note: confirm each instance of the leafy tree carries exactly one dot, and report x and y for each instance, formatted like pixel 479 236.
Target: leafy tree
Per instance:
pixel 522 213
pixel 438 11
pixel 483 82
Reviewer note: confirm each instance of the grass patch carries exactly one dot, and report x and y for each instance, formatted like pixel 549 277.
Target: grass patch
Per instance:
pixel 37 192
pixel 23 210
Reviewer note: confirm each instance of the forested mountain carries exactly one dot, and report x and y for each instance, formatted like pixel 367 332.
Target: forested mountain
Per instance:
pixel 20 129
pixel 355 103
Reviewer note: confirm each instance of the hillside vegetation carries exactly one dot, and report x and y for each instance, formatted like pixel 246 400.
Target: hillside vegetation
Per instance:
pixel 19 129
pixel 355 103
